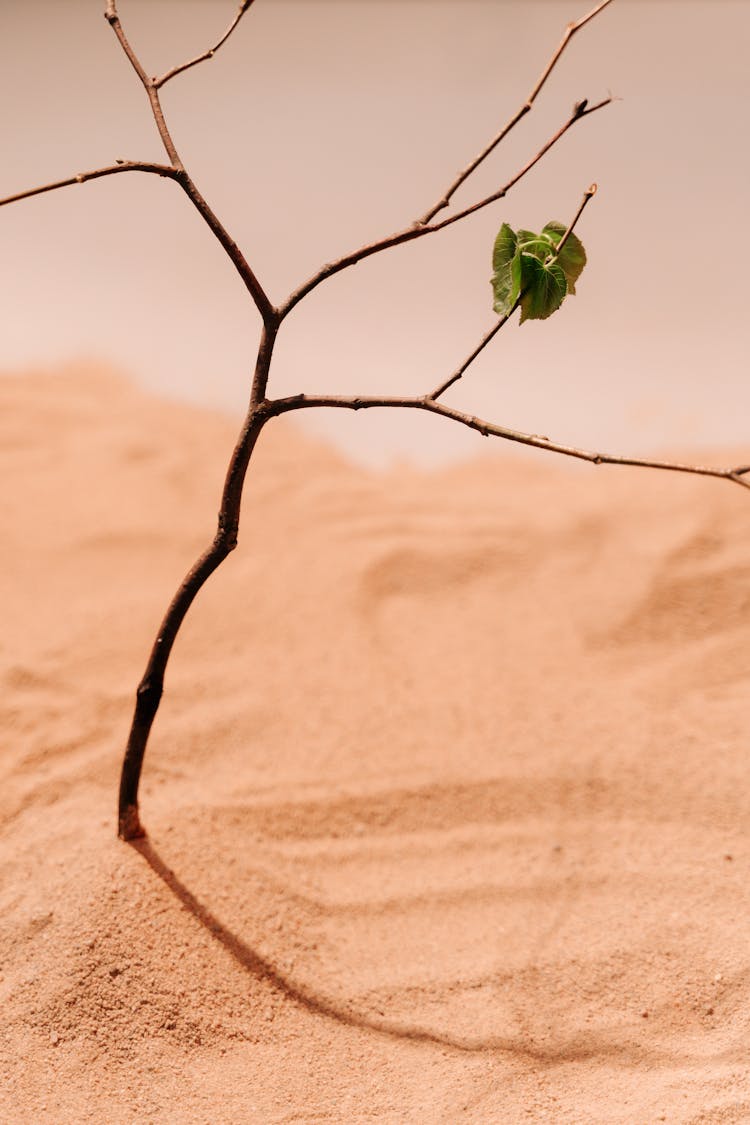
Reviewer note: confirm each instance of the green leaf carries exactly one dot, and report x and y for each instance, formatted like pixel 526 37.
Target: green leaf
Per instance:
pixel 543 287
pixel 540 245
pixel 572 258
pixel 503 254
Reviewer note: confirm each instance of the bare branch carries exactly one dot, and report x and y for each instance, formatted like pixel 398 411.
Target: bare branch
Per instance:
pixel 409 234
pixel 150 85
pixel 95 174
pixel 582 109
pixel 587 196
pixel 464 367
pixel 209 54
pixel 570 31
pixel 517 116
pixel 276 407
pixel 235 255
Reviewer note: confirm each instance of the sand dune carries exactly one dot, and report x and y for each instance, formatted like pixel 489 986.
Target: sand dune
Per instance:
pixel 447 797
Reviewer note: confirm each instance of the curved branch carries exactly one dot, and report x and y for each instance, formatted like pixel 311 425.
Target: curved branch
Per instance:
pixel 96 174
pixel 520 113
pixel 209 54
pixel 276 407
pixel 151 687
pixel 409 234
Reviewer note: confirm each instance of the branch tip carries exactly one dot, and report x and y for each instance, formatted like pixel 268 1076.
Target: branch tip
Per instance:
pixel 580 110
pixel 205 55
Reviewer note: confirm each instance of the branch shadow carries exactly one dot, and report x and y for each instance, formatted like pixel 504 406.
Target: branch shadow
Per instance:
pixel 576 1049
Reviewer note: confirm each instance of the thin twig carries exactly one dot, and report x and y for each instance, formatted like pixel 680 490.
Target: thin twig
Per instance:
pixel 148 85
pixel 581 110
pixel 275 407
pixel 238 259
pixel 520 113
pixel 570 31
pixel 209 54
pixel 464 367
pixel 224 542
pixel 95 174
pixel 587 196
pixel 409 234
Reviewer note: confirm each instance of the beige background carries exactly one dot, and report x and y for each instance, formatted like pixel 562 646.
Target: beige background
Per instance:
pixel 322 125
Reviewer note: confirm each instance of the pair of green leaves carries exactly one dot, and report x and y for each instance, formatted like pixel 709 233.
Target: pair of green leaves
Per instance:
pixel 528 266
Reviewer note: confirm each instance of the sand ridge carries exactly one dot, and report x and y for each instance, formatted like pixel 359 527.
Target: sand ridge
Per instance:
pixel 446 804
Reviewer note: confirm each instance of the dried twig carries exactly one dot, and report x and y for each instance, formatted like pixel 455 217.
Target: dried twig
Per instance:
pixel 588 195
pixel 464 367
pixel 209 54
pixel 275 407
pixel 96 174
pixel 520 113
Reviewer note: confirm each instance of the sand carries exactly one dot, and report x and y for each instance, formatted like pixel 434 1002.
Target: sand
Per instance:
pixel 446 799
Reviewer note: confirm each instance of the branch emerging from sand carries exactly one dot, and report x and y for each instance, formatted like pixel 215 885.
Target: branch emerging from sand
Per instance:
pixel 275 407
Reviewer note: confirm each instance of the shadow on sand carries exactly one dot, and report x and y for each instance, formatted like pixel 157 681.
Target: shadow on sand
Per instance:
pixel 587 1045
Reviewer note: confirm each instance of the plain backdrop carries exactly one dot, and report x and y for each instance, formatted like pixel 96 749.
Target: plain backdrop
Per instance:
pixel 323 124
